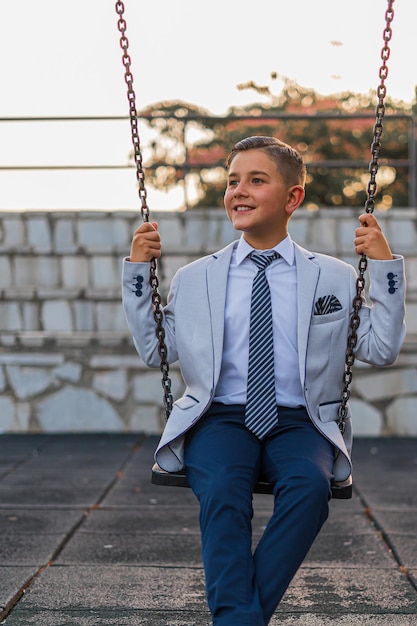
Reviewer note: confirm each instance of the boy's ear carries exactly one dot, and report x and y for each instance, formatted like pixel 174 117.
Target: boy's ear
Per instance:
pixel 296 195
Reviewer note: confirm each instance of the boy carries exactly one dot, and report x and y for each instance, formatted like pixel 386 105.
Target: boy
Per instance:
pixel 226 429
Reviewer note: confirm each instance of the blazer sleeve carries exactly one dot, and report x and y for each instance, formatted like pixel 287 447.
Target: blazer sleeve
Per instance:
pixel 382 327
pixel 139 312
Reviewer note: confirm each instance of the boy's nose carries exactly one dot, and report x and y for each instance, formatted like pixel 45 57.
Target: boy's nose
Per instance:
pixel 240 190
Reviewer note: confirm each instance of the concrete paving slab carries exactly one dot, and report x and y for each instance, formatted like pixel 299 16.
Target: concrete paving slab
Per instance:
pixel 135 487
pixel 329 591
pixel 60 495
pixel 119 617
pixel 28 549
pixel 403 522
pixel 146 519
pixel 405 547
pixel 140 549
pixel 343 590
pixel 353 619
pixel 391 497
pixel 185 549
pixel 388 467
pixel 142 493
pixel 37 522
pixel 115 586
pixel 13 578
pixel 83 474
pixel 345 516
pixel 161 518
pixel 6 466
pixel 383 448
pixel 13 446
pixel 158 618
pixel 14 452
pixel 351 551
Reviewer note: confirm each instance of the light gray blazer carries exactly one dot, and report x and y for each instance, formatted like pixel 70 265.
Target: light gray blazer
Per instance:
pixel 194 327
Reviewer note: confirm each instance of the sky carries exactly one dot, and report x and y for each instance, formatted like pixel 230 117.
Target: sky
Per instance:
pixel 61 58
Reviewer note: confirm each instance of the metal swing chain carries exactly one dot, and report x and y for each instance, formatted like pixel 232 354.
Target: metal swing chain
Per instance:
pixel 140 176
pixel 369 207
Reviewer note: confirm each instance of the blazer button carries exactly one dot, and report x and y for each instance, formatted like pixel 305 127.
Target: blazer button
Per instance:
pixel 138 285
pixel 391 282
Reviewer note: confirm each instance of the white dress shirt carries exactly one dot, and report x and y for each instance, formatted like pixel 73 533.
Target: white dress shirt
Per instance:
pixel 282 278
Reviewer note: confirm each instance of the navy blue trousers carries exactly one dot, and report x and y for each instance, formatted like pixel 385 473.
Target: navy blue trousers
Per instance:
pixel 224 461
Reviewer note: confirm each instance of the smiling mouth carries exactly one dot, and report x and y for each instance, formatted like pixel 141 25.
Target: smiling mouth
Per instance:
pixel 243 209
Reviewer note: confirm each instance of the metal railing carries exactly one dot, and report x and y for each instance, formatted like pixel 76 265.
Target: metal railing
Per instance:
pixel 186 164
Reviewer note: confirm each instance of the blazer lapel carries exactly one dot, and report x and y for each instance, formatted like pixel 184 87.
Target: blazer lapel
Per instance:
pixel 307 277
pixel 217 273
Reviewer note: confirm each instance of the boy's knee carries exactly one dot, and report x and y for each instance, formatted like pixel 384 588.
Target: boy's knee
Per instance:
pixel 312 480
pixel 223 491
pixel 225 487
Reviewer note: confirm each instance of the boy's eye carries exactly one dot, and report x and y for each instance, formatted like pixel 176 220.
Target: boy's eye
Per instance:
pixel 233 182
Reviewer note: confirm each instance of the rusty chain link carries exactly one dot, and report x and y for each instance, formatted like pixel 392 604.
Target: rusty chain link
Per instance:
pixel 369 207
pixel 140 177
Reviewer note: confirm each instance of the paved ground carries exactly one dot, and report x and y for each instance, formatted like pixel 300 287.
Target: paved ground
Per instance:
pixel 85 539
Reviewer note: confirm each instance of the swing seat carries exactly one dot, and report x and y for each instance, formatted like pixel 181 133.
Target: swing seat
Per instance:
pixel 340 490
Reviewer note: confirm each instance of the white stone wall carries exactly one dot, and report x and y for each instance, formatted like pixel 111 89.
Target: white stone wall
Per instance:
pixel 66 359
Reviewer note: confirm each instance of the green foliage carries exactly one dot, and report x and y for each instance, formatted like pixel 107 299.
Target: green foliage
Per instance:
pixel 332 133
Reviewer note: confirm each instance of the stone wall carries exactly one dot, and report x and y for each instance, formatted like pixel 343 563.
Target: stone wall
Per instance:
pixel 67 362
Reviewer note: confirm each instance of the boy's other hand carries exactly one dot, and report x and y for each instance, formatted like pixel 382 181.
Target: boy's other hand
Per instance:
pixel 370 239
pixel 146 243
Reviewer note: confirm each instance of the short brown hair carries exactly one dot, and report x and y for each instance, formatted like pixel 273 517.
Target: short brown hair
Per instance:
pixel 288 161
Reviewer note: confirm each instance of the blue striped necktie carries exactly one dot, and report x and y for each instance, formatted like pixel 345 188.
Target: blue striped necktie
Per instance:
pixel 261 409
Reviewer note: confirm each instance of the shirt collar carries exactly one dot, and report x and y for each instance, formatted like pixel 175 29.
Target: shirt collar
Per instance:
pixel 285 249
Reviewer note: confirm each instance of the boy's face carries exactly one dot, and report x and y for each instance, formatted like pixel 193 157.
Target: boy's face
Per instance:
pixel 257 200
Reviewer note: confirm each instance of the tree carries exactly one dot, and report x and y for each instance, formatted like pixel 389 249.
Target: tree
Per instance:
pixel 332 133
